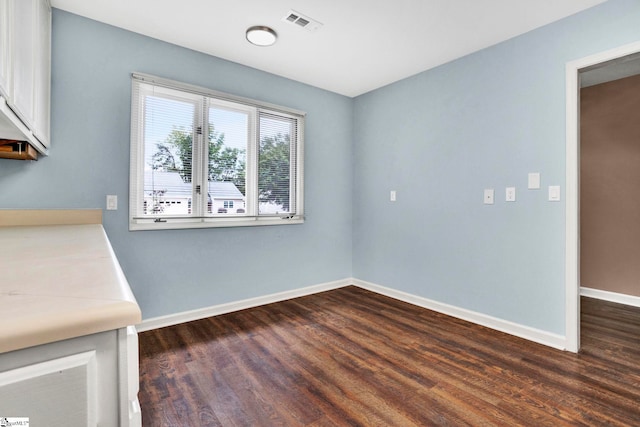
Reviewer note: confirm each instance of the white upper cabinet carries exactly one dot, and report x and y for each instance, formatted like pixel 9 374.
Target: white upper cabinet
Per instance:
pixel 25 71
pixel 23 60
pixel 5 47
pixel 43 74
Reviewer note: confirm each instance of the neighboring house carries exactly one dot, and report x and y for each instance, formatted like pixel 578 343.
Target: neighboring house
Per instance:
pixel 225 198
pixel 167 194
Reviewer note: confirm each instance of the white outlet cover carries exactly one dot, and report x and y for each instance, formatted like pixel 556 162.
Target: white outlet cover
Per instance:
pixel 112 202
pixel 510 194
pixel 488 196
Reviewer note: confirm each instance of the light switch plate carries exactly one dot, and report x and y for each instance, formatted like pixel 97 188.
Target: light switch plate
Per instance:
pixel 534 181
pixel 392 195
pixel 112 202
pixel 510 194
pixel 488 196
pixel 554 193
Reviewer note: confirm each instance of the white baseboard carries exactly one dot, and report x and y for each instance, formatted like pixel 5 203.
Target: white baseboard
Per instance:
pixel 531 334
pixel 202 313
pixel 610 296
pixel 526 332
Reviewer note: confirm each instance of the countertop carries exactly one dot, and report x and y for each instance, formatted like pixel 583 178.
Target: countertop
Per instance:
pixel 59 282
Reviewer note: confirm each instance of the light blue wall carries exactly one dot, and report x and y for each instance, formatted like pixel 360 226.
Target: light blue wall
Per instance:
pixel 439 138
pixel 174 271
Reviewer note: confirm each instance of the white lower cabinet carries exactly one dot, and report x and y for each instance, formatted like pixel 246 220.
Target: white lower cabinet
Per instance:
pixel 85 381
pixel 129 383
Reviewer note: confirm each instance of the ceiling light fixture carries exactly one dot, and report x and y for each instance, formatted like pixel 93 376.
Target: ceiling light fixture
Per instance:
pixel 260 35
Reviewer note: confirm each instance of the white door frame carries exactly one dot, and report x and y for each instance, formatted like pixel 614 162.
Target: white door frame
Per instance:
pixel 572 184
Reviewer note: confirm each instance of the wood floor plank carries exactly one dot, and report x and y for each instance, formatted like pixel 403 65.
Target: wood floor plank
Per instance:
pixel 350 357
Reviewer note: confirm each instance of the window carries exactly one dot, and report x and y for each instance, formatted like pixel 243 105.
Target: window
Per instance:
pixel 201 158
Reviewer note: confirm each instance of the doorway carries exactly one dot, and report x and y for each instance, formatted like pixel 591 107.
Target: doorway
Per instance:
pixel 606 66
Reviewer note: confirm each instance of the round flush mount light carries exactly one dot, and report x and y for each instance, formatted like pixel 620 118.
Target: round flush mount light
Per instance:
pixel 260 35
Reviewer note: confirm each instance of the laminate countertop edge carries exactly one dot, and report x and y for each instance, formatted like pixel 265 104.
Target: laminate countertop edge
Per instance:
pixel 60 282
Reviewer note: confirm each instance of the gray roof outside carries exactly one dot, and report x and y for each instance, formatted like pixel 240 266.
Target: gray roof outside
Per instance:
pixel 224 190
pixel 175 187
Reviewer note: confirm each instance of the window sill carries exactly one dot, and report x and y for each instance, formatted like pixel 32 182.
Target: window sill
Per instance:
pixel 187 223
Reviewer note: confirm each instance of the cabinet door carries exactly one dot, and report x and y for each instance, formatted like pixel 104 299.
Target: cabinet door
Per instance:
pixel 58 392
pixel 65 383
pixel 5 47
pixel 23 64
pixel 43 73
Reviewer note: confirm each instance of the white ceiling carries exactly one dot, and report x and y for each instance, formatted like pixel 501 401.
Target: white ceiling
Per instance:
pixel 362 45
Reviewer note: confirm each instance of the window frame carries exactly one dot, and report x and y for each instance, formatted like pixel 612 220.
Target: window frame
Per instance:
pixel 138 220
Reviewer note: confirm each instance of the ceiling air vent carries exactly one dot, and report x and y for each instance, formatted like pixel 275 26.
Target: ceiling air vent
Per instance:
pixel 302 21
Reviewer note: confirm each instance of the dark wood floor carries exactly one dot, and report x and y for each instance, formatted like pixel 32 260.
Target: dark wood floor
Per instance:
pixel 350 357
